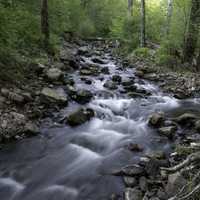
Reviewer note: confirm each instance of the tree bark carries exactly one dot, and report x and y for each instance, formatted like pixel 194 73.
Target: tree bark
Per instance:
pixel 130 8
pixel 143 24
pixel 45 23
pixel 169 16
pixel 193 32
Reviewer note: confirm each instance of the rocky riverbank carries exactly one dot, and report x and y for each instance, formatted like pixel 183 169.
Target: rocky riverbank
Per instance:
pixel 181 84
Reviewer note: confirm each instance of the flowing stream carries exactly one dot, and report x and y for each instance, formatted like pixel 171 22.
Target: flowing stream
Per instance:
pixel 64 163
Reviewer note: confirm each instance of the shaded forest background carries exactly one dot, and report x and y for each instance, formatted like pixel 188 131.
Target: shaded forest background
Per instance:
pixel 166 30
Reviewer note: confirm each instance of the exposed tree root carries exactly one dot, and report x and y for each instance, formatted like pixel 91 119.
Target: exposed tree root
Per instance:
pixel 191 159
pixel 190 190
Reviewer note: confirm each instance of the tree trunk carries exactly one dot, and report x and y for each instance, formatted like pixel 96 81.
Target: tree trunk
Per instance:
pixel 143 24
pixel 193 32
pixel 45 23
pixel 130 8
pixel 169 16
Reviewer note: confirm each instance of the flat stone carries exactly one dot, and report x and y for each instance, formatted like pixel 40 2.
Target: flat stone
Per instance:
pixel 168 131
pixel 49 95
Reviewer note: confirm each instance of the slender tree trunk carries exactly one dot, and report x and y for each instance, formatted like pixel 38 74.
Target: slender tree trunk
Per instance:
pixel 169 16
pixel 192 33
pixel 143 24
pixel 45 23
pixel 130 8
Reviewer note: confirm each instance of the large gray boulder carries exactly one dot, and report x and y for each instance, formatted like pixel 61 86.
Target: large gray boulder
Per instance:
pixel 80 116
pixel 55 96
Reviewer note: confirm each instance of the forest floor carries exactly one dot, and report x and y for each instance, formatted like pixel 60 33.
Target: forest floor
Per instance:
pixel 24 107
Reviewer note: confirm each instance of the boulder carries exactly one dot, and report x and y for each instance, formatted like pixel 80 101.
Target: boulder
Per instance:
pixel 82 96
pixel 110 85
pixel 89 71
pixel 139 73
pixel 130 88
pixel 156 119
pixel 168 131
pixel 135 147
pixel 80 117
pixel 11 124
pixel 54 74
pixel 133 194
pixel 31 128
pixel 175 182
pixel 187 118
pixel 128 83
pixel 99 61
pixel 105 70
pixel 55 96
pixel 116 78
pixel 133 170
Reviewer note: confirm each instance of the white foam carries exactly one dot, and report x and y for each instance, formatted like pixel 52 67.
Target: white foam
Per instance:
pixel 66 190
pixel 12 183
pixel 115 105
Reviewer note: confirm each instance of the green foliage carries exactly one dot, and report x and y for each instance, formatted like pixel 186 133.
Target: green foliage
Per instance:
pixel 142 52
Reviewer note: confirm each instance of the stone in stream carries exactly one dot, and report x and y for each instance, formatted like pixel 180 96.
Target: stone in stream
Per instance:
pixel 132 170
pixel 168 131
pixel 116 78
pixel 99 61
pixel 91 70
pixel 80 117
pixel 130 88
pixel 135 147
pixel 55 96
pixel 135 95
pixel 156 119
pixel 110 85
pixel 82 96
pixel 133 194
pixel 105 70
pixel 128 83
